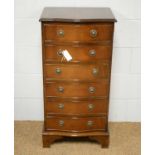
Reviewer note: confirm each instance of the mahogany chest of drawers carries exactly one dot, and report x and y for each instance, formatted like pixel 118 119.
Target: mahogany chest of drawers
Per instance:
pixel 76 92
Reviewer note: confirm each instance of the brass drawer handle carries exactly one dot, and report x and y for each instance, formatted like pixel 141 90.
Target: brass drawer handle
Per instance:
pixel 61 106
pixel 59 52
pixel 58 70
pixel 61 89
pixel 61 123
pixel 95 71
pixel 60 33
pixel 92 52
pixel 90 106
pixel 89 123
pixel 93 33
pixel 91 89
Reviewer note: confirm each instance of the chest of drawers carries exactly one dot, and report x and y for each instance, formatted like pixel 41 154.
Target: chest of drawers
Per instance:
pixel 76 92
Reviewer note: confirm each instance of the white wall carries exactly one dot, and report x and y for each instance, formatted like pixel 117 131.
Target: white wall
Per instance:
pixel 125 83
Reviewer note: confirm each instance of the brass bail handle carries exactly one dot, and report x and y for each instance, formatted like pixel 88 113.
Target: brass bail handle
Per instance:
pixel 90 106
pixel 93 33
pixel 58 71
pixel 89 123
pixel 61 105
pixel 60 89
pixel 61 33
pixel 92 52
pixel 95 71
pixel 59 52
pixel 61 123
pixel 91 89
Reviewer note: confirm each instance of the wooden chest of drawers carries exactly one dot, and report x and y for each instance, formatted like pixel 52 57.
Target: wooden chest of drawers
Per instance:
pixel 76 92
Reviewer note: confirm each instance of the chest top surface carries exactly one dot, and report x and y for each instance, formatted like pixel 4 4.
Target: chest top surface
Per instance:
pixel 76 15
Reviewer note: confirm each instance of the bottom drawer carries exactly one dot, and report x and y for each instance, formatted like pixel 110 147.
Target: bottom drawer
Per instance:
pixel 75 124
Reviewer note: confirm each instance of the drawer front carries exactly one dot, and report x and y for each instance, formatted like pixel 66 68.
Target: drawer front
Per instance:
pixel 75 124
pixel 77 107
pixel 78 53
pixel 77 89
pixel 77 32
pixel 76 71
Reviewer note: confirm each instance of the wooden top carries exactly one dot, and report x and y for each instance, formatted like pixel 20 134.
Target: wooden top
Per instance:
pixel 75 14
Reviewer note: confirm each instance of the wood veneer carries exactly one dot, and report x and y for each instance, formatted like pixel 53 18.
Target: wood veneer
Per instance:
pixel 76 93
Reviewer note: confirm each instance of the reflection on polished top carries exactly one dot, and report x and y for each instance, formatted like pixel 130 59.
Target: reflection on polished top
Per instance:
pixel 75 14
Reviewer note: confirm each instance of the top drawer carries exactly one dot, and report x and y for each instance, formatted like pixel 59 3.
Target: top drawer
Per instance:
pixel 78 32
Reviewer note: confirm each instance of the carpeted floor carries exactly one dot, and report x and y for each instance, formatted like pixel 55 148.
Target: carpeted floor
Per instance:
pixel 124 140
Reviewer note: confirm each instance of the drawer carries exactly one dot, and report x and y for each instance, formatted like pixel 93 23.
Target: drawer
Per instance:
pixel 78 32
pixel 75 124
pixel 77 89
pixel 78 53
pixel 77 107
pixel 76 71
